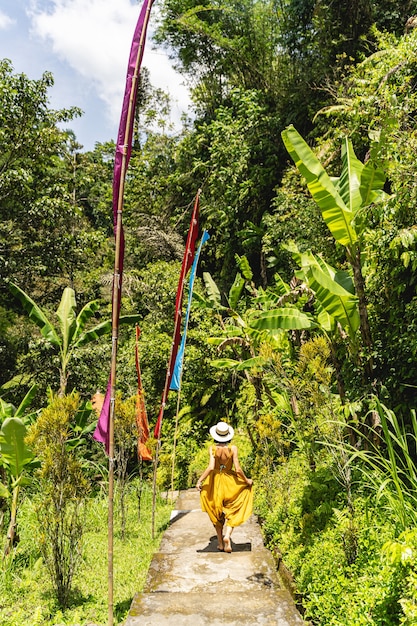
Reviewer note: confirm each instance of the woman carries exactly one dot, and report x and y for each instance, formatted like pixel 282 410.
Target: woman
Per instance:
pixel 227 495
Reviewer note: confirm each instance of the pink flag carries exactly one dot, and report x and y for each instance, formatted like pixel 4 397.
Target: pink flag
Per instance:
pixel 186 264
pixel 121 161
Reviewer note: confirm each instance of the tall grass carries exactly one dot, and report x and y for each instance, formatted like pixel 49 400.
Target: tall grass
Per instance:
pixel 26 598
pixel 389 466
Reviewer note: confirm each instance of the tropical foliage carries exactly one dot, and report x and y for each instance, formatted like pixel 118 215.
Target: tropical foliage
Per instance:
pixel 302 139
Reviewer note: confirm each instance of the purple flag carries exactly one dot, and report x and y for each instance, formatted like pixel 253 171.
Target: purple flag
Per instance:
pixel 121 161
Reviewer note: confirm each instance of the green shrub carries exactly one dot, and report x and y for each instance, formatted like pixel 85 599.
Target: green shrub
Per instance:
pixel 26 597
pixel 402 556
pixel 64 489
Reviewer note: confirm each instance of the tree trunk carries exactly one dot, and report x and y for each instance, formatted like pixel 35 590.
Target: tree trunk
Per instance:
pixel 11 533
pixel 355 260
pixel 338 372
pixel 63 379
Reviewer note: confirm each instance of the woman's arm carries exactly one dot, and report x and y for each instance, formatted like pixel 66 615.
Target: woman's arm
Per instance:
pixel 207 471
pixel 238 469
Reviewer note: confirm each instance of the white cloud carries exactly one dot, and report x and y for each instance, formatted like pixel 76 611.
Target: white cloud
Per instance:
pixel 5 21
pixel 93 37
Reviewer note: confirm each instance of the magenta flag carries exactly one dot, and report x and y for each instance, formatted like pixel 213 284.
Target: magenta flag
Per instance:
pixel 121 161
pixel 187 262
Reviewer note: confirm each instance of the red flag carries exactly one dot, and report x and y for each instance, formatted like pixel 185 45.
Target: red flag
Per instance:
pixel 141 414
pixel 121 161
pixel 186 264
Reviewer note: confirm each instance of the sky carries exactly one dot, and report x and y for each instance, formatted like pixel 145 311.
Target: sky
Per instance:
pixel 86 45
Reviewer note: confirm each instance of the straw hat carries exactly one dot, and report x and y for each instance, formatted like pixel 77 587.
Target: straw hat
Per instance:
pixel 222 432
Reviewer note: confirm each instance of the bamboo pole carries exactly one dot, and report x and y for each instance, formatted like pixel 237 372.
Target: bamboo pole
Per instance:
pixel 187 321
pixel 171 365
pixel 115 312
pixel 155 468
pixel 174 451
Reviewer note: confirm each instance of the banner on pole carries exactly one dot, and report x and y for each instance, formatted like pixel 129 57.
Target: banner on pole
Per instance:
pixel 186 264
pixel 121 161
pixel 177 373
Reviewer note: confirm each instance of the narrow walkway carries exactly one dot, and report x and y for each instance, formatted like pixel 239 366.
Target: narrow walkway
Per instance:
pixel 191 583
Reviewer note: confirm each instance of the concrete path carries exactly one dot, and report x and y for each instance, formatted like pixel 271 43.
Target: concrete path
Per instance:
pixel 191 583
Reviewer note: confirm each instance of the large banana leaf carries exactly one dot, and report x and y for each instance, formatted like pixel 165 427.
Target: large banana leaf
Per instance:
pixel 335 212
pixel 36 315
pixel 13 450
pixel 349 182
pixel 281 287
pixel 224 363
pixel 326 322
pixel 6 409
pixel 244 267
pixel 372 182
pixel 66 314
pixel 26 402
pixel 334 291
pixel 335 300
pixel 212 291
pixel 105 328
pixel 359 184
pixel 256 361
pixel 85 315
pixel 288 318
pixel 215 341
pixel 236 290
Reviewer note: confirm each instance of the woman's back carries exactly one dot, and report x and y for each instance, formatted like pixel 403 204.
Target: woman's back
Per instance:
pixel 223 458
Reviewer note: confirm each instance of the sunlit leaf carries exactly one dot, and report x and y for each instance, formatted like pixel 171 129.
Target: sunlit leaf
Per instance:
pixel 26 402
pixel 212 291
pixel 36 315
pixel 105 328
pixel 288 318
pixel 13 450
pixel 67 315
pixel 224 363
pixel 244 267
pixel 256 361
pixel 236 290
pixel 336 214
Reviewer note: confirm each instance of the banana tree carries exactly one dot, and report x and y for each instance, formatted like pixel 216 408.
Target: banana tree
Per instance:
pixel 236 335
pixel 342 202
pixel 16 459
pixel 335 298
pixel 70 332
pixel 247 334
pixel 335 303
pixel 234 327
pixel 266 321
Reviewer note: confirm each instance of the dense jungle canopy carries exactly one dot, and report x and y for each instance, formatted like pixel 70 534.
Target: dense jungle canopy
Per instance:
pixel 303 140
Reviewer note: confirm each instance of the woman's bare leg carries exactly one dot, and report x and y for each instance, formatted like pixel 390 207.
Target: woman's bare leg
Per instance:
pixel 227 542
pixel 219 532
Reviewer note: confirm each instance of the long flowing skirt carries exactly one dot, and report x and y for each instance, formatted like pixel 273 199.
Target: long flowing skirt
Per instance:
pixel 226 496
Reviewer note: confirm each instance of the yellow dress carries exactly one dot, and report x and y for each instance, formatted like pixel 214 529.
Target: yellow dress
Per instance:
pixel 225 496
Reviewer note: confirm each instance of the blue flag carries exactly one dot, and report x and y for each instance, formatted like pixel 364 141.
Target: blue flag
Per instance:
pixel 176 376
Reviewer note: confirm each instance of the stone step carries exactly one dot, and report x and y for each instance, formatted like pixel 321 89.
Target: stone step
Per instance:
pixel 260 608
pixel 191 583
pixel 239 572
